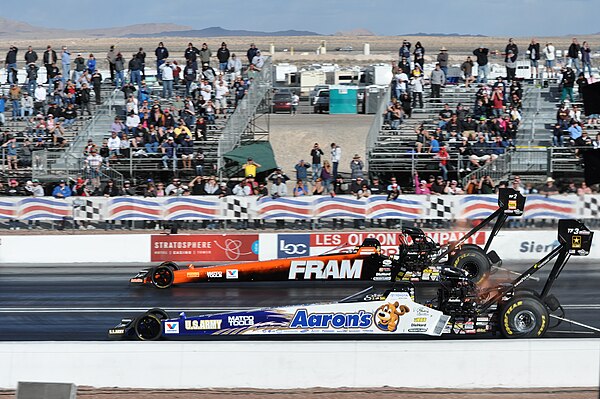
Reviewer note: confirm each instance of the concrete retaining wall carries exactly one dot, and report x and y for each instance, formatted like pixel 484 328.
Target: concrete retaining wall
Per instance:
pixel 303 364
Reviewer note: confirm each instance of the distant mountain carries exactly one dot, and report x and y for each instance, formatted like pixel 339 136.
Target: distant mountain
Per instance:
pixel 217 31
pixel 10 29
pixel 441 34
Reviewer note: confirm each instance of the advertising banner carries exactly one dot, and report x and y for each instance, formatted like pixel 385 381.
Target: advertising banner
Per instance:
pixel 204 247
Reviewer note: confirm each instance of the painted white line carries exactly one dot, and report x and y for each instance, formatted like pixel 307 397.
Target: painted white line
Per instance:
pixel 199 309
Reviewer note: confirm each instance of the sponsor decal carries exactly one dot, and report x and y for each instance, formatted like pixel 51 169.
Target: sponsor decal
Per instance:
pixel 420 320
pixel 389 241
pixel 232 274
pixel 387 316
pixel 194 325
pixel 172 327
pixel 192 274
pixel 303 319
pixel 537 247
pixel 421 312
pixel 214 274
pixel 116 331
pixel 208 247
pixel 316 269
pixel 417 330
pixel 576 242
pixel 240 321
pixel 293 245
pixel 136 280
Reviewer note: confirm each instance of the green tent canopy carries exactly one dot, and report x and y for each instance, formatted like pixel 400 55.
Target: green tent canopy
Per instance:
pixel 262 153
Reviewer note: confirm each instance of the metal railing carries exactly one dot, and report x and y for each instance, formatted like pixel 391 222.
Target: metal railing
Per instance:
pixel 376 125
pixel 239 122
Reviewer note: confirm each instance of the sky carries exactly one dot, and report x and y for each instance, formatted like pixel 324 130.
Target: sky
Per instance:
pixel 485 17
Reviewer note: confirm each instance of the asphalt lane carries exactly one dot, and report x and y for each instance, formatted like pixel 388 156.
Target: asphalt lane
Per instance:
pixel 81 303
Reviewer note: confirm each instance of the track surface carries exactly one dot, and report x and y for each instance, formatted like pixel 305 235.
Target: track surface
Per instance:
pixel 80 303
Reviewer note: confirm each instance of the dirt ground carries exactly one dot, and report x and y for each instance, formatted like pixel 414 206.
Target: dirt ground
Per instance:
pixel 347 393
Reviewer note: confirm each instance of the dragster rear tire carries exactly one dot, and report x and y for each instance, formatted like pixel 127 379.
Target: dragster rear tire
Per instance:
pixel 523 316
pixel 474 261
pixel 162 277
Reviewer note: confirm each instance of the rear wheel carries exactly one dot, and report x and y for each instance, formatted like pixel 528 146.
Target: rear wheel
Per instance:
pixel 162 276
pixel 474 261
pixel 523 316
pixel 148 327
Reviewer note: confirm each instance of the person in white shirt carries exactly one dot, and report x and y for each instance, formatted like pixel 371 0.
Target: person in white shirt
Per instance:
pixel 206 90
pixel 550 56
pixel 234 67
pixel 221 93
pixel 336 155
pixel 114 145
pixel 295 103
pixel 258 61
pixel 132 122
pixel 166 71
pixel 242 189
pixel 40 95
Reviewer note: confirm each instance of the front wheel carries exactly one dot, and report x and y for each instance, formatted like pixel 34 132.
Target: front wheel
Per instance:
pixel 148 327
pixel 163 277
pixel 474 261
pixel 523 316
pixel 170 264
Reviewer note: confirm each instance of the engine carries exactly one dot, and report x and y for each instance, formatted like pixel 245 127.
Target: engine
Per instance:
pixel 416 250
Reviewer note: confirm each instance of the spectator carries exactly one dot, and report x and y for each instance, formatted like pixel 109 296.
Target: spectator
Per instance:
pixel 481 152
pixel 420 186
pixel 438 79
pixel 141 55
pixel 205 53
pixel 575 131
pixel 135 70
pixel 557 135
pixel 581 83
pixel 453 188
pixel 223 57
pixel 483 68
pixel 584 189
pixel 573 55
pixel 27 105
pixel 443 157
pixel 11 64
pixel 210 187
pixel 168 149
pixel 472 185
pixel 376 187
pixel 549 188
pixel 419 55
pixel 93 163
pixel 14 94
pixel 416 84
pixel 550 56
pixel 586 59
pixel 91 64
pixel 251 53
pixel 406 103
pixel 438 186
pixel 161 54
pixel 119 71
pixel 242 189
pixel 114 146
pixel 467 70
pixel 14 190
pixel 62 190
pixel 295 103
pixel 327 175
pixel 301 170
pixel 258 61
pixel 434 144
pixel 300 189
pixel 356 167
pixel 442 60
pixel 316 153
pixel 567 82
pixel 111 57
pixel 111 189
pixel 166 71
pixel 278 174
pixel 221 93
pixel 85 99
pixel 65 59
pixel 35 189
pixel 486 185
pixel 513 49
pixel 187 152
pixel 511 66
pixel 2 110
pixel 32 75
pixel 234 67
pixel 278 188
pixel 318 188
pixel 336 156
pixel 11 153
pixel 97 84
pixel 174 188
pixel 534 57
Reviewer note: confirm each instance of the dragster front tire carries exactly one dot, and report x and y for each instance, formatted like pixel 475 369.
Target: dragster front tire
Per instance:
pixel 162 277
pixel 148 327
pixel 474 261
pixel 523 316
pixel 170 264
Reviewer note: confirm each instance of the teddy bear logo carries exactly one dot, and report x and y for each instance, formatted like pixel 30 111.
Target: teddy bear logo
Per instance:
pixel 388 315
